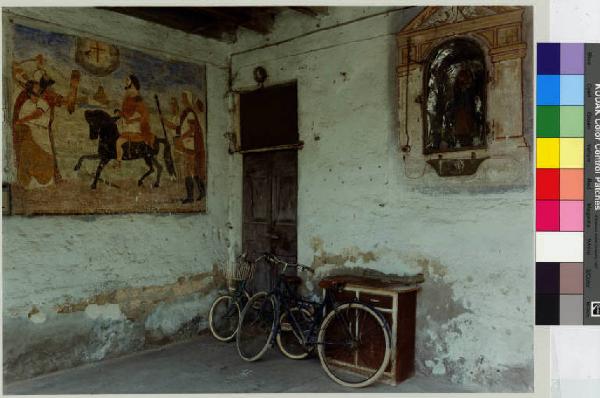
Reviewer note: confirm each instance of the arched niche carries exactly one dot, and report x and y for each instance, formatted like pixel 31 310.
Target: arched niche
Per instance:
pixel 454 100
pixel 455 133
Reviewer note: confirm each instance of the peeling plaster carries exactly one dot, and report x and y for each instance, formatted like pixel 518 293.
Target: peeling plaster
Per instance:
pixel 361 208
pixel 36 316
pixel 108 311
pixel 352 255
pixel 93 280
pixel 108 324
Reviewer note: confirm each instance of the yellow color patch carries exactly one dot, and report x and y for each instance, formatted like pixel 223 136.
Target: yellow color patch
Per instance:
pixel 571 153
pixel 547 153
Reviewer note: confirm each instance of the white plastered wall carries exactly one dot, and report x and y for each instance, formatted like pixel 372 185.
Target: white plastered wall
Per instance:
pixel 361 205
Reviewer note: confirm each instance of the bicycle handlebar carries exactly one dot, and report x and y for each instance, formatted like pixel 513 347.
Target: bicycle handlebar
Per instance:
pixel 273 259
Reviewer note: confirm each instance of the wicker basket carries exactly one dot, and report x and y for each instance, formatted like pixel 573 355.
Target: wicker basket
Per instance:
pixel 243 270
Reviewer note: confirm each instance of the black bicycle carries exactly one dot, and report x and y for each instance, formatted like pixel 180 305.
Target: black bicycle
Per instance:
pixel 352 339
pixel 224 314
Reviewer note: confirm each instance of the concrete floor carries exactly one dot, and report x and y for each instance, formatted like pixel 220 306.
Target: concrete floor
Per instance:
pixel 204 365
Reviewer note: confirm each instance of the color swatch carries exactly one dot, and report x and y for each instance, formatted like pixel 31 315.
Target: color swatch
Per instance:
pixel 591 188
pixel 560 132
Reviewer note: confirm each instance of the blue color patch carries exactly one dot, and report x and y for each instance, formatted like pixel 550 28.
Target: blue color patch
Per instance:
pixel 548 59
pixel 548 90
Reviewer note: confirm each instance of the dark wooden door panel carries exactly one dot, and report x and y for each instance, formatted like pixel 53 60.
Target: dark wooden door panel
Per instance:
pixel 270 209
pixel 268 118
pixel 258 197
pixel 257 213
pixel 284 203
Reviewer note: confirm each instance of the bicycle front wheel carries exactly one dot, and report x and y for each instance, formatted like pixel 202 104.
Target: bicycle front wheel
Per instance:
pixel 257 326
pixel 223 318
pixel 354 345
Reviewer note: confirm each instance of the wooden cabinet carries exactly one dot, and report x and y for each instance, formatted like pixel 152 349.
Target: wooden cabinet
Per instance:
pixel 398 305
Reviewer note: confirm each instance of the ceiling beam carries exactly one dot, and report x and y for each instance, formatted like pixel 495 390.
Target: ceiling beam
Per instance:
pixel 258 19
pixel 215 22
pixel 310 11
pixel 174 17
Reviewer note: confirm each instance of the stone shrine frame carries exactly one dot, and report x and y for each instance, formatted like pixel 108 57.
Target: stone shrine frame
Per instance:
pixel 498 32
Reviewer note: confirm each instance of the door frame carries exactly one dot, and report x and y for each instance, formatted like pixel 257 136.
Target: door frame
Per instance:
pixel 254 87
pixel 288 147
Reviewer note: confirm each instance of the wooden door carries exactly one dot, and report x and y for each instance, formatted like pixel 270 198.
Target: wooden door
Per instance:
pixel 268 123
pixel 269 209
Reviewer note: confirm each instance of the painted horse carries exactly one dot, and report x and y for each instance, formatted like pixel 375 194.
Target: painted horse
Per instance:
pixel 103 127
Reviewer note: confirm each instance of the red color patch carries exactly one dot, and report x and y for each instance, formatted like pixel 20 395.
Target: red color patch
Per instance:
pixel 547 184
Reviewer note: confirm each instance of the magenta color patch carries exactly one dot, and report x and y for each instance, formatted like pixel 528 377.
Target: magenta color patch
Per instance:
pixel 547 215
pixel 571 215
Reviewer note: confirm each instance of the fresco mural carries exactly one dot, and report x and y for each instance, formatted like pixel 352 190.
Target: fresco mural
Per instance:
pixel 98 128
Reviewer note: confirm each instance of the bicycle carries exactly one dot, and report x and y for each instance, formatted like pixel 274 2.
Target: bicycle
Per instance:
pixel 224 313
pixel 348 337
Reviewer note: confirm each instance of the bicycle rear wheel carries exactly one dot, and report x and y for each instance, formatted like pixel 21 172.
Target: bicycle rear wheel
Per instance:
pixel 257 326
pixel 223 318
pixel 354 345
pixel 289 342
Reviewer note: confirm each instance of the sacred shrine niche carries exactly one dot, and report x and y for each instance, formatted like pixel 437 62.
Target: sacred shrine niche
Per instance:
pixel 460 81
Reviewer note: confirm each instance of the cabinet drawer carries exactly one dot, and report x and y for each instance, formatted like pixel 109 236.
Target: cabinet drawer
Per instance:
pixel 377 300
pixel 344 296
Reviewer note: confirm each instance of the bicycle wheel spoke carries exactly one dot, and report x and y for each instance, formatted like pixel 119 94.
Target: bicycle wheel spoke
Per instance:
pixel 343 343
pixel 367 327
pixel 360 324
pixel 291 333
pixel 224 318
pixel 358 355
pixel 346 324
pixel 256 327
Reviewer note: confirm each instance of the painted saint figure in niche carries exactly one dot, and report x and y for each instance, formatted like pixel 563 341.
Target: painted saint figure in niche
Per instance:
pixel 455 78
pixel 464 111
pixel 135 125
pixel 190 146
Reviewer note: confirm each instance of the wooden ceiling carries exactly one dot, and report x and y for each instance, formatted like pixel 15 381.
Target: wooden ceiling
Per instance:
pixel 219 23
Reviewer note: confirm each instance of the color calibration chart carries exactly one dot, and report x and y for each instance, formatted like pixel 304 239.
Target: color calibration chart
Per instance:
pixel 567 184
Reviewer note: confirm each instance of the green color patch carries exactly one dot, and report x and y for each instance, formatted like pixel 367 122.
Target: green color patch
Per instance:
pixel 548 121
pixel 571 121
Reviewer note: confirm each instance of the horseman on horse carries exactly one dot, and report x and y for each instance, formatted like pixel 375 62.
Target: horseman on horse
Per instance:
pixel 134 118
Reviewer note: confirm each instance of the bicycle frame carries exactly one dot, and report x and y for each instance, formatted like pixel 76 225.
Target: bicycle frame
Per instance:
pixel 329 327
pixel 292 301
pixel 308 337
pixel 240 291
pixel 286 300
pixel 240 296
